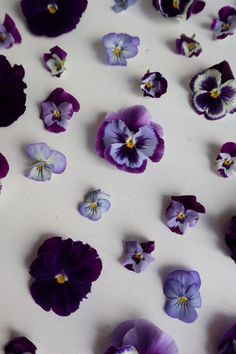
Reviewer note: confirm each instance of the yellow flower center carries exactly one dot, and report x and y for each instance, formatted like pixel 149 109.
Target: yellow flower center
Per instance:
pixel 2 37
pixel 214 94
pixel 52 8
pixel 182 300
pixel 130 144
pixel 176 4
pixel 138 257
pixel 227 163
pixel 180 217
pixel 117 51
pixel 93 206
pixel 57 114
pixel 226 26
pixel 61 278
pixel 149 85
pixel 191 46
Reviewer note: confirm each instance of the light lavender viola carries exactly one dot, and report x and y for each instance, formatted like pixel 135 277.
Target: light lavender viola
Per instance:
pixel 138 255
pixel 95 204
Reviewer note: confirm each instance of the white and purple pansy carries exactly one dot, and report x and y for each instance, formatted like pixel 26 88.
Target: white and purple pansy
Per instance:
pixel 121 5
pixel 9 33
pixel 57 110
pixel 55 61
pixel 214 91
pixel 188 46
pixel 4 168
pixel 128 139
pixel 45 162
pixel 226 160
pixel 95 204
pixel 226 24
pixel 138 255
pixel 153 84
pixel 179 8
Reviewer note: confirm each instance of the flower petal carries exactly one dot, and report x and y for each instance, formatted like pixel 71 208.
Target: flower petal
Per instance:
pixel 191 217
pixel 39 173
pixel 86 210
pixel 58 161
pixel 209 80
pixel 193 295
pixel 104 205
pixel 136 116
pixel 213 108
pixel 173 289
pixel 174 209
pixel 185 313
pixel 228 94
pixel 146 141
pixel 38 152
pixel 116 132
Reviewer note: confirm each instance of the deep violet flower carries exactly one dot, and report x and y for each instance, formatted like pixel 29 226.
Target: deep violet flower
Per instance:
pixel 20 345
pixel 226 24
pixel 129 138
pixel 120 47
pixel 63 271
pixel 188 46
pixel 183 212
pixel 45 162
pixel 95 204
pixel 138 255
pixel 230 237
pixel 226 160
pixel 179 8
pixel 121 5
pixel 57 110
pixel 55 61
pixel 52 17
pixel 141 337
pixel 182 291
pixel 12 96
pixel 153 84
pixel 228 342
pixel 4 168
pixel 9 33
pixel 214 91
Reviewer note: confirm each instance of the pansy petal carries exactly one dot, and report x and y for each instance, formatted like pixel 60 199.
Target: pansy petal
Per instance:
pixel 4 166
pixel 174 209
pixel 193 295
pixel 58 161
pixel 185 312
pixel 38 152
pixel 66 110
pixel 136 116
pixel 207 81
pixel 115 132
pixel 191 217
pixel 228 94
pixel 173 289
pixel 146 141
pixel 86 210
pixel 187 278
pixel 213 108
pixel 39 173
pixel 104 205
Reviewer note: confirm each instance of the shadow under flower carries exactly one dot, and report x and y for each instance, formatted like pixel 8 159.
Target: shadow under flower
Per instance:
pixel 212 153
pixel 100 51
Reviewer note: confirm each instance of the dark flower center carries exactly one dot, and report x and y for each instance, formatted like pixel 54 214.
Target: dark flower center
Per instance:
pixel 130 143
pixel 52 8
pixel 138 257
pixel 227 163
pixel 180 217
pixel 176 4
pixel 61 278
pixel 215 94
pixel 57 115
pixel 2 37
pixel 182 300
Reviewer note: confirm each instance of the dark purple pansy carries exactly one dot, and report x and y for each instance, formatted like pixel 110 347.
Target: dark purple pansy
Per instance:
pixel 12 96
pixel 63 274
pixel 228 342
pixel 128 139
pixel 226 160
pixel 214 91
pixel 183 212
pixel 55 61
pixel 4 168
pixel 179 8
pixel 226 24
pixel 57 110
pixel 9 33
pixel 188 46
pixel 138 255
pixel 141 337
pixel 20 345
pixel 230 237
pixel 52 17
pixel 153 84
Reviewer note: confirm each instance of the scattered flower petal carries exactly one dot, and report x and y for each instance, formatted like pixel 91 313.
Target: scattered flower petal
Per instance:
pixel 153 84
pixel 230 238
pixel 188 46
pixel 9 33
pixel 226 160
pixel 226 24
pixel 179 8
pixel 95 204
pixel 55 61
pixel 4 168
pixel 138 255
pixel 20 345
pixel 228 342
pixel 121 5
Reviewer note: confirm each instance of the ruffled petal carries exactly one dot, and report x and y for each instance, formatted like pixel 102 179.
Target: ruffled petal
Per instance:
pixel 58 161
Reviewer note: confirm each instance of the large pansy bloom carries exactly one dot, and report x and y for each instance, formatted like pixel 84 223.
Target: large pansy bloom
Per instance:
pixel 63 271
pixel 214 91
pixel 55 61
pixel 138 255
pixel 52 17
pixel 188 46
pixel 12 96
pixel 228 342
pixel 226 24
pixel 226 160
pixel 129 138
pixel 178 8
pixel 141 337
pixel 230 238
pixel 4 168
pixel 182 291
pixel 9 33
pixel 20 345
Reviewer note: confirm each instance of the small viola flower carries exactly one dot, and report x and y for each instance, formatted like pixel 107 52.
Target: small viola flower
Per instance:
pixel 63 274
pixel 214 91
pixel 228 342
pixel 12 96
pixel 182 213
pixel 179 8
pixel 120 47
pixel 226 160
pixel 230 238
pixel 20 345
pixel 226 24
pixel 57 110
pixel 141 337
pixel 9 33
pixel 52 17
pixel 95 204
pixel 4 168
pixel 121 5
pixel 188 46
pixel 129 138
pixel 153 84
pixel 55 61
pixel 182 291
pixel 138 255
pixel 45 162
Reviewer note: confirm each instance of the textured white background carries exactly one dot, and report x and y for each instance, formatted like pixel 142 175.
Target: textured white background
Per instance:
pixel 31 211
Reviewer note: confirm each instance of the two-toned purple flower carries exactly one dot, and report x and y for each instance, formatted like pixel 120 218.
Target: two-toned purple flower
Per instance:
pixel 121 5
pixel 4 168
pixel 55 61
pixel 182 291
pixel 230 237
pixel 153 84
pixel 228 341
pixel 226 160
pixel 9 33
pixel 95 204
pixel 179 8
pixel 128 139
pixel 225 25
pixel 20 345
pixel 214 91
pixel 188 46
pixel 138 255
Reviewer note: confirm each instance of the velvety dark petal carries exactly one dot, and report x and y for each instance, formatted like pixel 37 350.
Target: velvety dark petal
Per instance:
pixel 190 202
pixel 20 345
pixel 196 7
pixel 213 108
pixel 59 96
pixel 136 116
pixel 169 10
pixel 148 247
pixel 4 166
pixel 11 28
pixel 43 293
pixel 225 12
pixel 225 70
pixel 229 148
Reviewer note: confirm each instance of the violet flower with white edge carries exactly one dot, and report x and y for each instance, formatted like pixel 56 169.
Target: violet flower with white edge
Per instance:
pixel 188 46
pixel 120 47
pixel 226 160
pixel 4 168
pixel 128 139
pixel 214 91
pixel 9 33
pixel 20 345
pixel 183 212
pixel 153 84
pixel 138 255
pixel 179 8
pixel 55 61
pixel 226 24
pixel 57 110
pixel 45 162
pixel 121 5
pixel 95 204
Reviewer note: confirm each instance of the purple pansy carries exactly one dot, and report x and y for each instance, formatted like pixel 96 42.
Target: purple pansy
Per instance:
pixel 141 337
pixel 4 168
pixel 9 33
pixel 57 110
pixel 53 17
pixel 95 204
pixel 20 345
pixel 228 342
pixel 55 61
pixel 226 160
pixel 179 8
pixel 128 139
pixel 138 255
pixel 226 24
pixel 121 5
pixel 183 212
pixel 63 274
pixel 182 291
pixel 120 47
pixel 12 96
pixel 214 91
pixel 45 162
pixel 153 84
pixel 230 238
pixel 188 46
